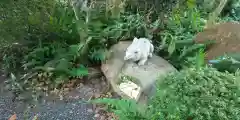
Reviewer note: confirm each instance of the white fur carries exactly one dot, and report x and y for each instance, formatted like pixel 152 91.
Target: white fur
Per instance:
pixel 140 49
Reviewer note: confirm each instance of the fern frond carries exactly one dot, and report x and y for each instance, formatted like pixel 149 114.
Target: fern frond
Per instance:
pixel 125 109
pixel 79 72
pixel 98 54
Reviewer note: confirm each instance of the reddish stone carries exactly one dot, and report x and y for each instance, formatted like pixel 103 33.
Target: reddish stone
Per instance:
pixel 226 37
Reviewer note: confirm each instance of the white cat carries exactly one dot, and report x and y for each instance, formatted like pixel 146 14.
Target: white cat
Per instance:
pixel 139 50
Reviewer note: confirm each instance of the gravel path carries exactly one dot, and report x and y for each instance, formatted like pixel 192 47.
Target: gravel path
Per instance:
pixel 47 111
pixel 52 108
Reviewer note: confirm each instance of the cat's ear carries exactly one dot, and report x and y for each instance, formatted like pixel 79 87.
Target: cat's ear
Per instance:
pixel 135 39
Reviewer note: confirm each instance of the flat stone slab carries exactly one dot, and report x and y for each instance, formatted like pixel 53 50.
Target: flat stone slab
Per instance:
pixel 130 88
pixel 115 69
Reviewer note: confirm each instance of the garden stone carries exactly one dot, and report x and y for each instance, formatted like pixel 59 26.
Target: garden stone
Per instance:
pixel 115 69
pixel 225 37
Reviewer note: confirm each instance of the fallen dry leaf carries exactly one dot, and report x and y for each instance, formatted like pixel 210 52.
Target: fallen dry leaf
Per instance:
pixel 13 117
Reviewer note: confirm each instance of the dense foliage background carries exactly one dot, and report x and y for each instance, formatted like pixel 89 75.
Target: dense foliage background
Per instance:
pixel 46 43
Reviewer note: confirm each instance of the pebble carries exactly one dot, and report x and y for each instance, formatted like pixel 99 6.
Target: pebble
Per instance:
pixel 102 118
pixel 76 97
pixel 60 97
pixel 89 110
pixel 80 85
pixel 97 95
pixel 97 115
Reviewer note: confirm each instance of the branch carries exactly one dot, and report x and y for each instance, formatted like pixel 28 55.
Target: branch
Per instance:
pixel 216 13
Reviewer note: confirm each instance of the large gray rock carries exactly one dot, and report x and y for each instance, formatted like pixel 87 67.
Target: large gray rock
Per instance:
pixel 115 66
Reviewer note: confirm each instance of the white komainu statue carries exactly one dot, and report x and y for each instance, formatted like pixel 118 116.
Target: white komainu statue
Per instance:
pixel 139 50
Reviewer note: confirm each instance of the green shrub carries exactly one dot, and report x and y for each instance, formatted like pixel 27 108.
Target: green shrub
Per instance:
pixel 197 94
pixel 69 37
pixel 23 22
pixel 124 109
pixel 232 10
pixel 23 19
pixel 203 94
pixel 175 43
pixel 46 68
pixel 53 51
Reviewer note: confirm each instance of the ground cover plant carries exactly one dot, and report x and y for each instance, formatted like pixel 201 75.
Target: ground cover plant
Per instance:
pixel 198 94
pixel 193 93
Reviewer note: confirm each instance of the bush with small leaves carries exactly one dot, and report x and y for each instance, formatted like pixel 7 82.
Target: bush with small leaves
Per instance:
pixel 198 94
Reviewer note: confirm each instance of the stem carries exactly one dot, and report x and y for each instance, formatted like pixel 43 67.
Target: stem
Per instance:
pixel 216 13
pixel 74 10
pixel 84 38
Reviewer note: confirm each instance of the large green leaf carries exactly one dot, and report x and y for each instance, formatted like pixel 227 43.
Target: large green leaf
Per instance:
pixel 190 49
